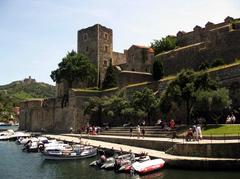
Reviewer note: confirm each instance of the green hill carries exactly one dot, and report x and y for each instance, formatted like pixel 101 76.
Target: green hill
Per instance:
pixel 15 92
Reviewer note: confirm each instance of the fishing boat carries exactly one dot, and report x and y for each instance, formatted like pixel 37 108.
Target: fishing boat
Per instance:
pixel 66 153
pixel 148 166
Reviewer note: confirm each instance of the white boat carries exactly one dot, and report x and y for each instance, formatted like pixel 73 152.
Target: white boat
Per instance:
pixel 5 124
pixel 63 153
pixel 128 166
pixel 148 166
pixel 11 135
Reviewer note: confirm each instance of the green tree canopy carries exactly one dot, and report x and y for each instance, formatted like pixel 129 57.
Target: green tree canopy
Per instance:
pixel 212 103
pixel 157 69
pixel 110 79
pixel 73 67
pixel 95 107
pixel 165 44
pixel 145 103
pixel 184 88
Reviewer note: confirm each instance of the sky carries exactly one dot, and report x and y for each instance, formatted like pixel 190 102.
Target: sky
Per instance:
pixel 36 34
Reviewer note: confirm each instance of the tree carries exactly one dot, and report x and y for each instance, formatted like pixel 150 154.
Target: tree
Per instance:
pixel 184 88
pixel 212 102
pixel 165 44
pixel 157 69
pixel 145 103
pixel 95 107
pixel 74 67
pixel 117 109
pixel 110 79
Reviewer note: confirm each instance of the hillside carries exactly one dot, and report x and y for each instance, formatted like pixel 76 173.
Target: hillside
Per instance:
pixel 11 94
pixel 23 90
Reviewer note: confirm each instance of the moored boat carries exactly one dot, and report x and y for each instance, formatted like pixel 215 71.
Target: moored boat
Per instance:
pixel 11 135
pixel 62 153
pixel 128 166
pixel 148 166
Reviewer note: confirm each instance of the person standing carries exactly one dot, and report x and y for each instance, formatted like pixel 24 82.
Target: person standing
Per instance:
pixel 233 119
pixel 199 133
pixel 138 131
pixel 172 123
pixel 131 131
pixel 143 132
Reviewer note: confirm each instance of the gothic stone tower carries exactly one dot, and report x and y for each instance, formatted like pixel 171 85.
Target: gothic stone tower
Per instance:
pixel 96 43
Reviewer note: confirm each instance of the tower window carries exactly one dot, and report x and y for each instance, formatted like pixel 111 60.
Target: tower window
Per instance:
pixel 105 36
pixel 85 36
pixel 105 63
pixel 106 48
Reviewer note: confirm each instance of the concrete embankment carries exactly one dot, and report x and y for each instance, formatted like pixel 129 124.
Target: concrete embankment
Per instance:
pixel 171 160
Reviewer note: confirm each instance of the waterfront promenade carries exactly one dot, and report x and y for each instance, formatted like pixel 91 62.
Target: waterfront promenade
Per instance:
pixel 175 161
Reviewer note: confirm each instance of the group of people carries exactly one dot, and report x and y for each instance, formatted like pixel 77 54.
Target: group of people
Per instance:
pixel 164 124
pixel 194 133
pixel 231 119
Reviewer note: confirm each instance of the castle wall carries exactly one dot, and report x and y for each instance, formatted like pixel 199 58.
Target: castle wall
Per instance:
pixel 118 58
pixel 125 78
pixel 87 43
pixel 222 43
pixel 139 59
pixel 51 116
pixel 200 34
pixel 105 46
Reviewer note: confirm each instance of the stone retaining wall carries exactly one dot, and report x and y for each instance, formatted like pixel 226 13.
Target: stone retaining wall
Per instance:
pixel 228 150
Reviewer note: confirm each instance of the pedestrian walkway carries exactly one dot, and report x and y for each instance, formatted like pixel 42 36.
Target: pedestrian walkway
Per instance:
pixel 75 138
pixel 163 139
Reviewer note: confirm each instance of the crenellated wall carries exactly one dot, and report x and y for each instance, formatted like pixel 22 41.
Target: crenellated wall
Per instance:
pixel 203 45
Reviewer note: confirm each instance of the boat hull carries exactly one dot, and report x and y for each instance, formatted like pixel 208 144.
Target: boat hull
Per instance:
pixel 148 166
pixel 68 157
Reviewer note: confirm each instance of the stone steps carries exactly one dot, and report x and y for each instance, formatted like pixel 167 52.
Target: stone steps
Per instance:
pixel 150 131
pixel 135 131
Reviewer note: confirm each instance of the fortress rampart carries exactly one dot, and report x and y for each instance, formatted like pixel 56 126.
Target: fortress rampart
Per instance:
pixel 203 45
pixel 50 115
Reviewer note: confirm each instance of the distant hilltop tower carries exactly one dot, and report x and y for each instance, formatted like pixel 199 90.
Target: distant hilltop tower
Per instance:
pixel 29 80
pixel 96 43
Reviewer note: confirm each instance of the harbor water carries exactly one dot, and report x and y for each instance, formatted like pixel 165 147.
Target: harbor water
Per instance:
pixel 15 164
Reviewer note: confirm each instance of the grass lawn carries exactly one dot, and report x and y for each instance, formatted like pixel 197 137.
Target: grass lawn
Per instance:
pixel 221 130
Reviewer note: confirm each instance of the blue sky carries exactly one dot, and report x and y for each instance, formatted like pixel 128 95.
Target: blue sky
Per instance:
pixel 36 34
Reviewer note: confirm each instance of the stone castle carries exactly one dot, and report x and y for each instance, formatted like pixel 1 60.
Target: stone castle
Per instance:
pixel 133 67
pixel 204 45
pixel 97 43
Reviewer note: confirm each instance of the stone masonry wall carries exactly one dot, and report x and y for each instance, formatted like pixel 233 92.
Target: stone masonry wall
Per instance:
pixel 118 58
pixel 207 150
pixel 87 43
pixel 48 114
pixel 125 78
pixel 222 43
